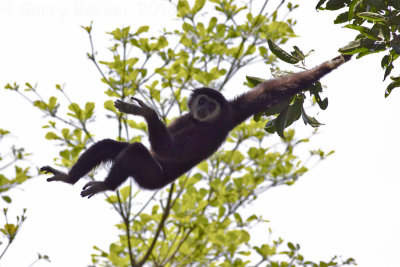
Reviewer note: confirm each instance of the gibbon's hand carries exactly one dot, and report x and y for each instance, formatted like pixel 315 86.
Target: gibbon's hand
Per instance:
pixel 339 60
pixel 58 175
pixel 141 110
pixel 92 188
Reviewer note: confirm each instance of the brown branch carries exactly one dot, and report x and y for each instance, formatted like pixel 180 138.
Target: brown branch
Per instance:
pixel 160 226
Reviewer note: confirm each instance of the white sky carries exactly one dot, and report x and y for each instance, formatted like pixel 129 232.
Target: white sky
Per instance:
pixel 348 205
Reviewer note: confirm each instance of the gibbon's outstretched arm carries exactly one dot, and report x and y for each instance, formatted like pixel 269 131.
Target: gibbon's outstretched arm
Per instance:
pixel 273 91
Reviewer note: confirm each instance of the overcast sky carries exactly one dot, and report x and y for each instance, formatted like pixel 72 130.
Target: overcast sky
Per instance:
pixel 348 205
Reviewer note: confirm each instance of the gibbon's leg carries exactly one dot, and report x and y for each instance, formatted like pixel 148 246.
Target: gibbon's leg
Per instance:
pixel 135 161
pixel 102 151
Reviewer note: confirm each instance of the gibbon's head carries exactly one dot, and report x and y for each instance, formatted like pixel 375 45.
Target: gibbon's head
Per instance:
pixel 207 105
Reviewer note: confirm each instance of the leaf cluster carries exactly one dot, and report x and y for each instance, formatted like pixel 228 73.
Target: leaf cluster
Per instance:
pixel 69 128
pixel 288 111
pixel 378 25
pixel 8 159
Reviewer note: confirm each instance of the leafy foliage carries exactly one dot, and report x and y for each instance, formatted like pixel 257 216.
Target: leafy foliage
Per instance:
pixel 378 25
pixel 197 220
pixel 8 181
pixel 287 112
pixel 9 158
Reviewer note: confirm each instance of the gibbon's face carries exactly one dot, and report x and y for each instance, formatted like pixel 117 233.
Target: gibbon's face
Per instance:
pixel 204 108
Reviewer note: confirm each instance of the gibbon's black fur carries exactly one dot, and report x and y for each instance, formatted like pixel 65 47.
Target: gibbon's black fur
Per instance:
pixel 188 140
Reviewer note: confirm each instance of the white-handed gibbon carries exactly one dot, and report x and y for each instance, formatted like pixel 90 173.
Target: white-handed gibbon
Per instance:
pixel 188 140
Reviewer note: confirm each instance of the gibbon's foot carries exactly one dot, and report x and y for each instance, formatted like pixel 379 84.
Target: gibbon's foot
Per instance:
pixel 58 175
pixel 92 188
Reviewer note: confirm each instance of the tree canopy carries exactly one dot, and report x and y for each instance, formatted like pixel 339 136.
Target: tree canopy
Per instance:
pixel 199 220
pixel 378 25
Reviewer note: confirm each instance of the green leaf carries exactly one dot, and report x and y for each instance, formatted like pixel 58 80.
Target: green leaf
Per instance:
pixel 142 29
pixel 364 31
pixel 52 103
pixel 40 104
pixel 371 16
pixel 6 199
pixel 310 120
pixel 257 116
pixel 125 193
pixel 251 218
pixel 112 199
pixel 353 47
pixel 186 41
pixel 112 93
pixel 352 7
pixel 125 32
pixel 115 256
pixel 14 87
pixel 10 230
pixel 291 246
pixel 109 105
pixel 77 111
pixel 89 107
pixel 288 116
pixel 323 104
pixel 277 108
pixel 282 54
pixel 320 3
pixel 386 60
pixel 238 218
pixel 65 133
pixel 4 132
pixel 281 124
pixel 254 81
pixel 235 157
pixel 52 136
pixel 162 42
pixel 183 8
pixel 341 18
pixel 314 90
pixel 198 5
pixel 154 93
pixel 388 70
pixel 392 85
pixel 336 4
pixel 297 53
pixel 88 29
pixel 270 126
pixel 211 24
pixel 266 250
pixel 251 49
pixel 203 166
